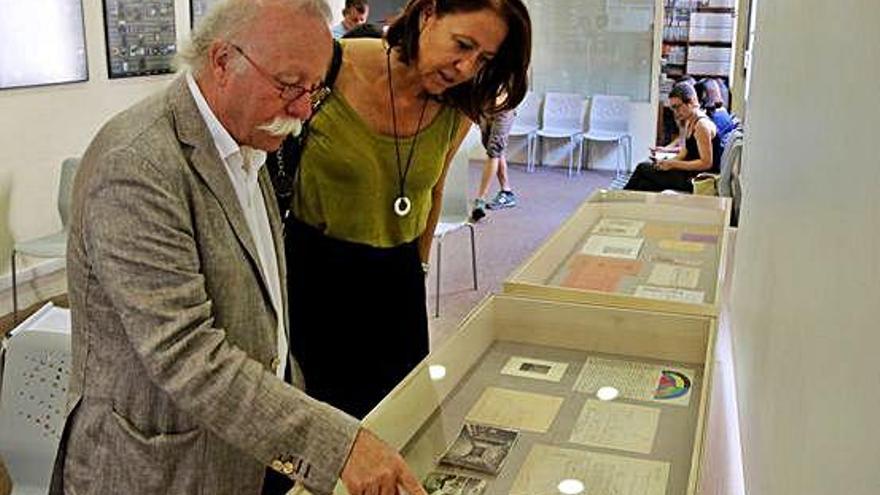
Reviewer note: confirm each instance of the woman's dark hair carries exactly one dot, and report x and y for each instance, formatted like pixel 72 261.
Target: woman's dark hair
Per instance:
pixel 709 95
pixel 505 74
pixel 684 92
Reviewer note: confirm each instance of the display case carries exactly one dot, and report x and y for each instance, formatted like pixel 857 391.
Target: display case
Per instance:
pixel 630 445
pixel 629 249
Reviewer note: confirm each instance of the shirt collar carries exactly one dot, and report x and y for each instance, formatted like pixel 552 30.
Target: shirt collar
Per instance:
pixel 223 141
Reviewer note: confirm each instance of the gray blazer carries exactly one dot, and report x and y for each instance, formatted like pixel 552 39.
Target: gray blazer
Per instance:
pixel 173 388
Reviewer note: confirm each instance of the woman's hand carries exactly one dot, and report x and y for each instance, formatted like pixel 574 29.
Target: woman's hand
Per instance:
pixel 665 165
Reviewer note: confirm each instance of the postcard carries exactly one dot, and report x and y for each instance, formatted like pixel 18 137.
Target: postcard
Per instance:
pixel 670 294
pixel 674 276
pixel 613 247
pixel 619 227
pixel 479 447
pixel 438 483
pixel 537 369
pixel 513 409
pixel 704 238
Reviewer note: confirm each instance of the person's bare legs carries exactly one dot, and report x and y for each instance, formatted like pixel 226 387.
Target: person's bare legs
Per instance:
pixel 503 181
pixel 490 169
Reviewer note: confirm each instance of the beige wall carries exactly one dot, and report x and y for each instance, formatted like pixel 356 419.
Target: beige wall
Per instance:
pixel 806 285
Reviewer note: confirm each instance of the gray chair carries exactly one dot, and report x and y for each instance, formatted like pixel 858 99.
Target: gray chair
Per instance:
pixel 53 245
pixel 455 214
pixel 609 122
pixel 526 124
pixel 32 399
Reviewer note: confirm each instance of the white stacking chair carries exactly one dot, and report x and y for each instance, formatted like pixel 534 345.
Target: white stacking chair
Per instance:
pixel 527 124
pixel 609 122
pixel 32 400
pixel 53 245
pixel 563 118
pixel 456 213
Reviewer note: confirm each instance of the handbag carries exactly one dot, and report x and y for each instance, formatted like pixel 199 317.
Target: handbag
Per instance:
pixel 283 164
pixel 705 185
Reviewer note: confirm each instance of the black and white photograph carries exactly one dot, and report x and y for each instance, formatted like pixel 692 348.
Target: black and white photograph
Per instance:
pixel 438 483
pixel 481 448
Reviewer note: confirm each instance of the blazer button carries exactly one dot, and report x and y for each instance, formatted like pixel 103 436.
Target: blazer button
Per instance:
pixel 278 466
pixel 288 468
pixel 275 363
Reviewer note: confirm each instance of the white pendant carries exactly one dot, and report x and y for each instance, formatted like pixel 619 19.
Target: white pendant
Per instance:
pixel 402 206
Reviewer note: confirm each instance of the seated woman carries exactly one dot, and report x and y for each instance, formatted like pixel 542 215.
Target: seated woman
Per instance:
pixel 701 152
pixel 712 101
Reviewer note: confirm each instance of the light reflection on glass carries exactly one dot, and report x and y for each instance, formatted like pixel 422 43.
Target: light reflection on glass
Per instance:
pixel 437 372
pixel 607 393
pixel 570 487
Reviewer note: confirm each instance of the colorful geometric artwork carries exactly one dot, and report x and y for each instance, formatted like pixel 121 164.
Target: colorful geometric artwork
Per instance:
pixel 672 385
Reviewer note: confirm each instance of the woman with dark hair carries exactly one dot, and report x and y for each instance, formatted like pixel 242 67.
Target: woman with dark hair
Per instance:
pixel 369 188
pixel 701 151
pixel 712 101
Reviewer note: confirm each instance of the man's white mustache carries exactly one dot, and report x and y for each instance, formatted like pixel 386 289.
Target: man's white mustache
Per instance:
pixel 282 126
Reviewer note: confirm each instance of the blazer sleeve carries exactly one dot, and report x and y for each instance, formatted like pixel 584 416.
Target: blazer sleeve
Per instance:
pixel 141 244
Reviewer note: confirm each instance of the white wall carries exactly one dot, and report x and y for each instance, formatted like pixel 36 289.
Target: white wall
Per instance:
pixel 806 287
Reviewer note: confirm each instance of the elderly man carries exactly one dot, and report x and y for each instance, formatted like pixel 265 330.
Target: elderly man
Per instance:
pixel 175 267
pixel 354 14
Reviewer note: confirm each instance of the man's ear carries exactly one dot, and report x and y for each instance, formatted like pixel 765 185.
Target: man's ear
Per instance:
pixel 219 58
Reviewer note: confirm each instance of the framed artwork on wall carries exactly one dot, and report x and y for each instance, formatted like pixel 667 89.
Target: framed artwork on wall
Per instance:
pixel 198 9
pixel 42 42
pixel 141 37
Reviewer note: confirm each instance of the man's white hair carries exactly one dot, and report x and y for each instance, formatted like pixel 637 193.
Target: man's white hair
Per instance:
pixel 228 18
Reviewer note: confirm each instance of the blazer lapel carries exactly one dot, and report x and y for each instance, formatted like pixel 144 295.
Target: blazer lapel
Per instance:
pixel 206 161
pixel 277 234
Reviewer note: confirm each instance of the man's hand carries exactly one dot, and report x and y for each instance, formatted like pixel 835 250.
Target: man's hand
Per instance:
pixel 374 468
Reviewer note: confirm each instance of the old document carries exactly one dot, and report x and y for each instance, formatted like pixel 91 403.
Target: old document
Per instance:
pixel 603 474
pixel 513 409
pixel 670 294
pixel 537 369
pixel 682 246
pixel 619 226
pixel 616 425
pixel 598 272
pixel 613 247
pixel 636 380
pixel 674 276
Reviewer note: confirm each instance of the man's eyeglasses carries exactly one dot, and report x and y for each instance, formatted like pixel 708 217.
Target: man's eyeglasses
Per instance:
pixel 289 92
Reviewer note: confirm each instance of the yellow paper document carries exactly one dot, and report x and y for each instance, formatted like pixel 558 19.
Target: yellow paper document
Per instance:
pixel 513 409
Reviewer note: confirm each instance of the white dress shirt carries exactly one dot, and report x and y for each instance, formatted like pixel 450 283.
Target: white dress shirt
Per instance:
pixel 243 165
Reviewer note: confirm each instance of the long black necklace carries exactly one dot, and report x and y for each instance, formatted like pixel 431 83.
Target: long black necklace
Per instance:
pixel 402 205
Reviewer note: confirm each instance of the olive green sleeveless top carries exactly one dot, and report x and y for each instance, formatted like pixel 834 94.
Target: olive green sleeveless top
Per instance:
pixel 348 178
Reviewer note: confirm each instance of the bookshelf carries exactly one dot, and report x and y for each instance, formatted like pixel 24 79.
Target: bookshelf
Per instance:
pixel 697 41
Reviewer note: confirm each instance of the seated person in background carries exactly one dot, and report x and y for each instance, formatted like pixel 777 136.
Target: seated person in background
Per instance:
pixel 675 139
pixel 709 94
pixel 701 153
pixel 354 14
pixel 365 30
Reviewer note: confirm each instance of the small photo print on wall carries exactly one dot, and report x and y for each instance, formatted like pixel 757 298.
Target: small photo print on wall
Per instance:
pixel 141 37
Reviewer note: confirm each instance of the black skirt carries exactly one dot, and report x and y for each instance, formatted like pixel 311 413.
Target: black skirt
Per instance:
pixel 358 319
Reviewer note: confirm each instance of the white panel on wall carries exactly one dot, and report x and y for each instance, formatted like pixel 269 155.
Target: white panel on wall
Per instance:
pixel 593 46
pixel 41 42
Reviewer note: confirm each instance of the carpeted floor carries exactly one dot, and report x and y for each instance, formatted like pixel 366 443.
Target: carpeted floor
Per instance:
pixel 504 239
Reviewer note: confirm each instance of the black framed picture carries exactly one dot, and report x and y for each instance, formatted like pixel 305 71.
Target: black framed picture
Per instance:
pixel 42 43
pixel 198 9
pixel 141 37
